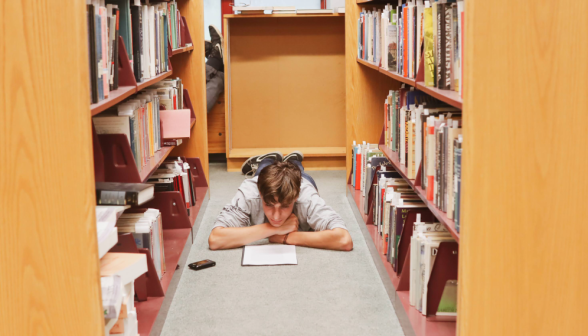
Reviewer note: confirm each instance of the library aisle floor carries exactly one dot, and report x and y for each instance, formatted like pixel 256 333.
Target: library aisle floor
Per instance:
pixel 327 293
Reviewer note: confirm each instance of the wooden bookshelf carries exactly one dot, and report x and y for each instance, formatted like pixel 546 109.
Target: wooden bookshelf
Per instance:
pixel 306 111
pixel 421 325
pixel 440 215
pixel 182 50
pixel 115 97
pixel 452 98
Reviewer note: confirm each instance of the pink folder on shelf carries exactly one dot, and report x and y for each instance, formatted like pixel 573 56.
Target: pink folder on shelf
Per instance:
pixel 175 124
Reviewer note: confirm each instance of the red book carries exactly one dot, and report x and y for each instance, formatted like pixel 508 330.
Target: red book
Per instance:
pixel 405 41
pixel 358 171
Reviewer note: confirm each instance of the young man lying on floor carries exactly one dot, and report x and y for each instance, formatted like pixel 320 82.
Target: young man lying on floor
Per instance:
pixel 281 202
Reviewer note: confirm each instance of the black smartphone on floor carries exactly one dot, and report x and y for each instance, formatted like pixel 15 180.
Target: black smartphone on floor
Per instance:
pixel 202 264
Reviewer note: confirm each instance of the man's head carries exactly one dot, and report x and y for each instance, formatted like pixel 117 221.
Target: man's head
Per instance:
pixel 279 187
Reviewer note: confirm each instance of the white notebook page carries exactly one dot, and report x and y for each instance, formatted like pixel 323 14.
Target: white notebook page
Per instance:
pixel 258 255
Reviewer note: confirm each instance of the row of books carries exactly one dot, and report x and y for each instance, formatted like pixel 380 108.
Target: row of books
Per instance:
pixel 424 244
pixel 146 30
pixel 426 135
pixel 139 118
pixel 393 200
pixel 147 229
pixel 174 174
pixel 395 38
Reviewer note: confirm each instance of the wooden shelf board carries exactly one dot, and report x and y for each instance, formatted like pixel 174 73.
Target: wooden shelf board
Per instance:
pixel 154 162
pixel 440 215
pixel 173 243
pixel 307 151
pixel 398 77
pixel 182 50
pixel 244 16
pixel 421 325
pixel 368 64
pixel 192 122
pixel 151 81
pixel 450 97
pixel 114 98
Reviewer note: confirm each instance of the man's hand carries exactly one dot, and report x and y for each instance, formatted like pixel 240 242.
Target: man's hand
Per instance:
pixel 290 225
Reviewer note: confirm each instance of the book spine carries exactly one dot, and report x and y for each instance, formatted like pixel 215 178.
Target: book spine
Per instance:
pixel 447 46
pixel 430 161
pixel 405 41
pixel 357 171
pixel 457 184
pixel 440 55
pixel 107 197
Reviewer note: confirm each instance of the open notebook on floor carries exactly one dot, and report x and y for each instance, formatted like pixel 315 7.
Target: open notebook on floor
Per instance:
pixel 267 255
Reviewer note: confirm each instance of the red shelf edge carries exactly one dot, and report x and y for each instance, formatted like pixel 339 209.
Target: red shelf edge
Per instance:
pixel 440 215
pixel 147 311
pixel 154 162
pixel 116 97
pixel 421 325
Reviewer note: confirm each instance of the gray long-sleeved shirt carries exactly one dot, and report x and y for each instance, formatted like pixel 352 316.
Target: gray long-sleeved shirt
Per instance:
pixel 246 209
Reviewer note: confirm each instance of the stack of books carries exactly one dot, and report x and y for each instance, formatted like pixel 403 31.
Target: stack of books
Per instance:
pixel 395 38
pixel 118 272
pixel 147 229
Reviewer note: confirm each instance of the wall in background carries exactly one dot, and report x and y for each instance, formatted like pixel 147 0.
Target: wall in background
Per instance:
pixel 212 16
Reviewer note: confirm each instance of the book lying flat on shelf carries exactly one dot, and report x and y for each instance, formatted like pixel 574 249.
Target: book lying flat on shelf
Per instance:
pixel 129 266
pixel 267 255
pixel 251 10
pixel 113 193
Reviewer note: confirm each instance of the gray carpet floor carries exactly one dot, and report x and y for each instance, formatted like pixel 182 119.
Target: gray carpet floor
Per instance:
pixel 327 293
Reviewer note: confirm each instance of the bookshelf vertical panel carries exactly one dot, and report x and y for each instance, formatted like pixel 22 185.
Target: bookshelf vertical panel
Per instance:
pixel 523 205
pixel 190 67
pixel 49 265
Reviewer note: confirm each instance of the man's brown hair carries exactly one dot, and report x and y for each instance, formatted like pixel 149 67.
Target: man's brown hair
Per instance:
pixel 279 183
